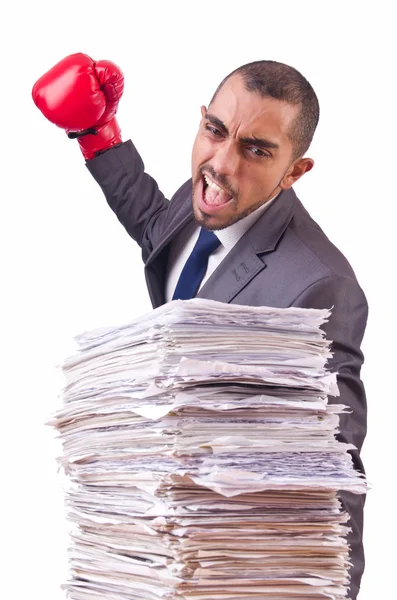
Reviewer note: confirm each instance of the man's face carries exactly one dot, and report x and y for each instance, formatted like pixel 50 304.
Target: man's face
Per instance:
pixel 242 155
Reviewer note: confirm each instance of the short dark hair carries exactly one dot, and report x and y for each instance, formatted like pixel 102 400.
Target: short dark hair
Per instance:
pixel 282 82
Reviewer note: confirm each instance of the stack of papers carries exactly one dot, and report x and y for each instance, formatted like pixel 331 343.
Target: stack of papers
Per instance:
pixel 201 457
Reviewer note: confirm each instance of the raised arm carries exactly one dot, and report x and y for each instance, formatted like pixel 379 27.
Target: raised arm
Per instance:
pixel 131 193
pixel 81 96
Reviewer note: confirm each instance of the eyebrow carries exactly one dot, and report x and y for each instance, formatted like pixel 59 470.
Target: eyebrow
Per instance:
pixel 259 142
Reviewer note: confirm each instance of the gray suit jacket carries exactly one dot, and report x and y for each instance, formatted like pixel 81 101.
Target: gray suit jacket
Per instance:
pixel 285 259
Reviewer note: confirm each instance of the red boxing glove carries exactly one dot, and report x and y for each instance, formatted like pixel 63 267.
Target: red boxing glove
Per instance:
pixel 82 96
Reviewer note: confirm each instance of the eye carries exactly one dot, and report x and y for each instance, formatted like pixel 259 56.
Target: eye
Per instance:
pixel 213 130
pixel 258 152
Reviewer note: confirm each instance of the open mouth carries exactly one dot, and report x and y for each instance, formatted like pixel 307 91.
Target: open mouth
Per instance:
pixel 212 195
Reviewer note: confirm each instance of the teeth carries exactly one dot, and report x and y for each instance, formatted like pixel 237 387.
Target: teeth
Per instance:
pixel 212 184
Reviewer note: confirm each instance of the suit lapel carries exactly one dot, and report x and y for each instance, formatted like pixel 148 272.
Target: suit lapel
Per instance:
pixel 156 264
pixel 236 270
pixel 185 216
pixel 240 266
pixel 247 258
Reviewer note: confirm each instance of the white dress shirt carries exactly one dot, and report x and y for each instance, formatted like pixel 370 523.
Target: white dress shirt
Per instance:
pixel 183 244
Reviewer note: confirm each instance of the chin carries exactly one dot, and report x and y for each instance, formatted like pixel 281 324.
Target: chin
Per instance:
pixel 211 222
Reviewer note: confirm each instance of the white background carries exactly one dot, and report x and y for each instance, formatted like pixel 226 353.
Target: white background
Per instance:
pixel 67 264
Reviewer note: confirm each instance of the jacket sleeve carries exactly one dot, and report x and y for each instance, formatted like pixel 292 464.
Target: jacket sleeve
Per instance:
pixel 346 327
pixel 131 193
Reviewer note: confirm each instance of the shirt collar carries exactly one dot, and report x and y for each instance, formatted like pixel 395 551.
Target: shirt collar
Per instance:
pixel 229 236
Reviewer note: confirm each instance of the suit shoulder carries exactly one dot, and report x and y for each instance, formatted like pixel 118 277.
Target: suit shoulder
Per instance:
pixel 314 242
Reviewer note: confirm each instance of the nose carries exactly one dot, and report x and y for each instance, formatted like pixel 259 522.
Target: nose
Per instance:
pixel 225 160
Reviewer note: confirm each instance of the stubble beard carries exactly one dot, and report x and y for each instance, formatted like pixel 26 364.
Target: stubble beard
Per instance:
pixel 204 220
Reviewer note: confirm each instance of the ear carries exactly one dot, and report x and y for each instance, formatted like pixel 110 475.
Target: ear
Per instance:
pixel 203 111
pixel 295 172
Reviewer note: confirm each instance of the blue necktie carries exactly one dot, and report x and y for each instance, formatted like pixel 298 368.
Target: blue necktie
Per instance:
pixel 195 266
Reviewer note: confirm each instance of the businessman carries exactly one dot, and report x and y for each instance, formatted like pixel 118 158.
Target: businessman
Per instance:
pixel 235 232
